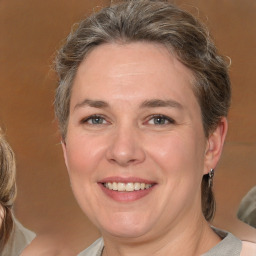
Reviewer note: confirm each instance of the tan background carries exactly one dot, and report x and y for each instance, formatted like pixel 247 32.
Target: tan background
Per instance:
pixel 30 32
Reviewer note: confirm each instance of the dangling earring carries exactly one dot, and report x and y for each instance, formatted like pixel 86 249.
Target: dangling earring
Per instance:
pixel 210 178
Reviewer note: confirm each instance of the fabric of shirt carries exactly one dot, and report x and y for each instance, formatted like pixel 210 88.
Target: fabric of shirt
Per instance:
pixel 229 246
pixel 247 208
pixel 18 241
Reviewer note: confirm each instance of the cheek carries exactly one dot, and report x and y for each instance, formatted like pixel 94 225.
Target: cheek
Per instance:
pixel 181 161
pixel 83 154
pixel 179 155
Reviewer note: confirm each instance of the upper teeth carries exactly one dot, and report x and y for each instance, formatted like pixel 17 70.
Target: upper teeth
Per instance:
pixel 120 186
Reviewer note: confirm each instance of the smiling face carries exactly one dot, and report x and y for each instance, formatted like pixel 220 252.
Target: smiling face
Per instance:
pixel 135 147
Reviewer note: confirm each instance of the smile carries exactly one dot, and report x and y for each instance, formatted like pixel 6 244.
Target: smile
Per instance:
pixel 126 187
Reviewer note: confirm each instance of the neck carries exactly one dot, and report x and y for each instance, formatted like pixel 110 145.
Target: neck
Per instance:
pixel 197 236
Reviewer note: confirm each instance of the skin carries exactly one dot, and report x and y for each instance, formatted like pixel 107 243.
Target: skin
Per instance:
pixel 133 137
pixel 1 215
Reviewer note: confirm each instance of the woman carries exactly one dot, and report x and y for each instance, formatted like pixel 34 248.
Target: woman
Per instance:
pixel 13 236
pixel 142 103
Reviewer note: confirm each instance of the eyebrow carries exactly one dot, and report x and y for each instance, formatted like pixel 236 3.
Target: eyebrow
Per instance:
pixel 153 103
pixel 92 103
pixel 156 103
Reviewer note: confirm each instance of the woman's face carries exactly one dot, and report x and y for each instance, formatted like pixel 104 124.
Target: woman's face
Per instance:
pixel 135 147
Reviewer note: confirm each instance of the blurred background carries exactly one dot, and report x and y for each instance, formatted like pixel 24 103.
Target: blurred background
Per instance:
pixel 30 33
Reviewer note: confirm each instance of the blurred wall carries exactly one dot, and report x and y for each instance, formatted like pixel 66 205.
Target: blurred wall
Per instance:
pixel 30 33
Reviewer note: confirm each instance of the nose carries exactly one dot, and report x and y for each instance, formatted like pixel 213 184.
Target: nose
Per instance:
pixel 126 147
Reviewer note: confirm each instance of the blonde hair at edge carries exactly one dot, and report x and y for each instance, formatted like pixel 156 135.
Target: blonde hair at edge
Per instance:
pixel 7 189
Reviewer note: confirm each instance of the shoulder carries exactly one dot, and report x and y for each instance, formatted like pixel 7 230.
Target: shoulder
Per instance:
pixel 248 249
pixel 247 208
pixel 20 238
pixel 229 245
pixel 93 250
pixel 23 233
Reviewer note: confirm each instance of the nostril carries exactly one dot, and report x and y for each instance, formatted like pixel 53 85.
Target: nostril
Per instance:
pixel 123 161
pixel 126 160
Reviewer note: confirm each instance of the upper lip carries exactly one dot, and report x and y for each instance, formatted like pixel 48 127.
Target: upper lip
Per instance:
pixel 126 180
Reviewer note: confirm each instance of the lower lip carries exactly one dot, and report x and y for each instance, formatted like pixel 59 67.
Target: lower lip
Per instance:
pixel 126 196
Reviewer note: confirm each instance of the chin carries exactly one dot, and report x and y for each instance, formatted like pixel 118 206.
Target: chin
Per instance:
pixel 127 232
pixel 126 227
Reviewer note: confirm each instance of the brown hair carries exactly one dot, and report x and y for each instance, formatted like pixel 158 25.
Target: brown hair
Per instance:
pixel 7 188
pixel 158 22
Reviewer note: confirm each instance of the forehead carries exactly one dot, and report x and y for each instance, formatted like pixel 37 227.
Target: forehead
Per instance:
pixel 135 67
pixel 129 55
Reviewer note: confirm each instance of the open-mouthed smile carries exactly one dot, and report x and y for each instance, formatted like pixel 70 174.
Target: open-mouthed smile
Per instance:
pixel 128 187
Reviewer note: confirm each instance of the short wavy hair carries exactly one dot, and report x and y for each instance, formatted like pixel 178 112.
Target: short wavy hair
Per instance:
pixel 157 22
pixel 7 189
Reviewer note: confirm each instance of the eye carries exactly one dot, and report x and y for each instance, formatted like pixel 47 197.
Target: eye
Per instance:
pixel 160 120
pixel 94 120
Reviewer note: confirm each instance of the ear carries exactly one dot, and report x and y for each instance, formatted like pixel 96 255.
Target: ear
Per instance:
pixel 214 145
pixel 64 149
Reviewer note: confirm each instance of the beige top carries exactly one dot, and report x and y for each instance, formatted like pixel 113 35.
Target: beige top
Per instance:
pixel 229 246
pixel 19 239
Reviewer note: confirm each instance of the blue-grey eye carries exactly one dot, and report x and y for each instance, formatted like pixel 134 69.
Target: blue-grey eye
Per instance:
pixel 160 120
pixel 95 120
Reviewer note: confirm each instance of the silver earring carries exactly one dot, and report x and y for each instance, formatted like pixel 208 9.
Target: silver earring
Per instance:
pixel 210 178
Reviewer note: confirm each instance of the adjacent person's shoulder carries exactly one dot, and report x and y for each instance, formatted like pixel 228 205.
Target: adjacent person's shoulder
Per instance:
pixel 20 238
pixel 93 250
pixel 248 248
